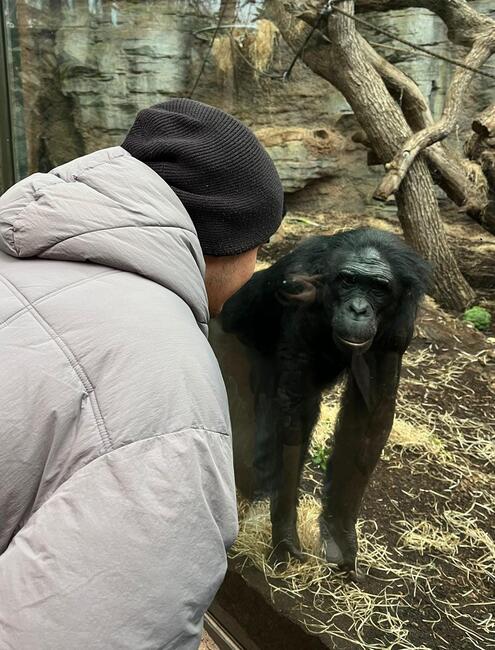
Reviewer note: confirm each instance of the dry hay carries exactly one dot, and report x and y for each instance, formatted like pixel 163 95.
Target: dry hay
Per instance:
pixel 449 446
pixel 326 423
pixel 258 46
pixel 405 435
pixel 261 265
pixel 467 433
pixel 221 50
pixel 373 619
pixel 333 597
pixel 424 536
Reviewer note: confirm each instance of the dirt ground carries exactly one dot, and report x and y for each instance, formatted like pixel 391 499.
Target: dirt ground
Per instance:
pixel 426 532
pixel 207 643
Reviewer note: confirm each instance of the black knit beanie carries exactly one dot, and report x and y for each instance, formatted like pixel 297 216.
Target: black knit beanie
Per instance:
pixel 216 166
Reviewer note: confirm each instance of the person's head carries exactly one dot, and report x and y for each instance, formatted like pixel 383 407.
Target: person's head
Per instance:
pixel 223 176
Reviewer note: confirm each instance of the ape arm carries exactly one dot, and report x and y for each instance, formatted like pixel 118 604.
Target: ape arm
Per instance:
pixel 360 436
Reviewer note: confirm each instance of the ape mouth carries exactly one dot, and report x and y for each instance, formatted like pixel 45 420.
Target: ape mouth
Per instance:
pixel 356 345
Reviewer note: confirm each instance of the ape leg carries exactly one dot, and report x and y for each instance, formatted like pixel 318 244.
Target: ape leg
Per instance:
pixel 267 457
pixel 283 506
pixel 293 446
pixel 362 430
pixel 290 418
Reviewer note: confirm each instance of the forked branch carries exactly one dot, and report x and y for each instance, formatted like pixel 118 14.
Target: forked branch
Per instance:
pixel 397 168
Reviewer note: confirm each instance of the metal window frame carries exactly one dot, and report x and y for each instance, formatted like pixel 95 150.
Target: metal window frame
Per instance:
pixel 219 634
pixel 6 134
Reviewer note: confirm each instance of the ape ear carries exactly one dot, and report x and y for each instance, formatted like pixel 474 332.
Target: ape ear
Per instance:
pixel 401 327
pixel 414 275
pixel 298 289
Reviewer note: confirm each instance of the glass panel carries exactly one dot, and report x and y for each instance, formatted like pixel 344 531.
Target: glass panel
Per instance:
pixel 79 71
pixel 6 152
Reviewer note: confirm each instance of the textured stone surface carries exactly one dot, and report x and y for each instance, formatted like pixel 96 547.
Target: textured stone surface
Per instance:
pixel 83 70
pixel 303 155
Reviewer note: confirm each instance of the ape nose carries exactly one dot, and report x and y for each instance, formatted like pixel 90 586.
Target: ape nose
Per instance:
pixel 359 307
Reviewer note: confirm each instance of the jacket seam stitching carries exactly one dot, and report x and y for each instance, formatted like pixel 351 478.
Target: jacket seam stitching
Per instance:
pixel 114 450
pixel 74 362
pixel 13 240
pixel 51 294
pixel 74 176
pixel 88 232
pixel 225 434
pixel 78 177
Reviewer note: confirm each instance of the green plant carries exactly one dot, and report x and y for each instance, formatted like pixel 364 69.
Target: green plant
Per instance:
pixel 479 317
pixel 319 456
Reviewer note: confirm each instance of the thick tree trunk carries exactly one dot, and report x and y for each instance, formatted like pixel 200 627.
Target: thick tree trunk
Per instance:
pixel 343 62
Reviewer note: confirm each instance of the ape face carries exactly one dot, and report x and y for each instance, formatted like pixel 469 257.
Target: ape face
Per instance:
pixel 362 289
pixel 346 291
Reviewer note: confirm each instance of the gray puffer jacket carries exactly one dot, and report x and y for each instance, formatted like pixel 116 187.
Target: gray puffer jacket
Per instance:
pixel 117 496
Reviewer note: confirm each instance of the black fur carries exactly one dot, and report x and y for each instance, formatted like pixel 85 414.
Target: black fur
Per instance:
pixel 287 317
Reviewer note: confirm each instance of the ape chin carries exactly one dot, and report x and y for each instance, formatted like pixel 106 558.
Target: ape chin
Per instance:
pixel 339 306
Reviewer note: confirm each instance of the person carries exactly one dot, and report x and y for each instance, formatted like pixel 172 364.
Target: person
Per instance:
pixel 117 496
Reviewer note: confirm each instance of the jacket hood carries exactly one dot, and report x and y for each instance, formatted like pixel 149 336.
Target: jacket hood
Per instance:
pixel 110 209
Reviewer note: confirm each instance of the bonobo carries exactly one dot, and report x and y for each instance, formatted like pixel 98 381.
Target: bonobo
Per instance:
pixel 339 305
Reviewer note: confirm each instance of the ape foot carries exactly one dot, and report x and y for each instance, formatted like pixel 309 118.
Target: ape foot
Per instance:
pixel 339 544
pixel 286 545
pixel 356 575
pixel 283 552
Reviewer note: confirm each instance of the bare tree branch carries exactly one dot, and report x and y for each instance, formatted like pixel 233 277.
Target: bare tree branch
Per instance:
pixel 482 49
pixel 402 88
pixel 464 24
pixel 484 124
pixel 445 166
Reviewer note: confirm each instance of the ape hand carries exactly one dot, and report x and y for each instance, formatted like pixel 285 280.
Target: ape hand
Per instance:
pixel 339 542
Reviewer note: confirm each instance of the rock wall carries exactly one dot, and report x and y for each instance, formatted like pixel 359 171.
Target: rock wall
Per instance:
pixel 303 155
pixel 432 75
pixel 83 68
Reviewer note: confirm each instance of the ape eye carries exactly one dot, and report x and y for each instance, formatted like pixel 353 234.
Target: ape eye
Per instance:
pixel 347 279
pixel 380 286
